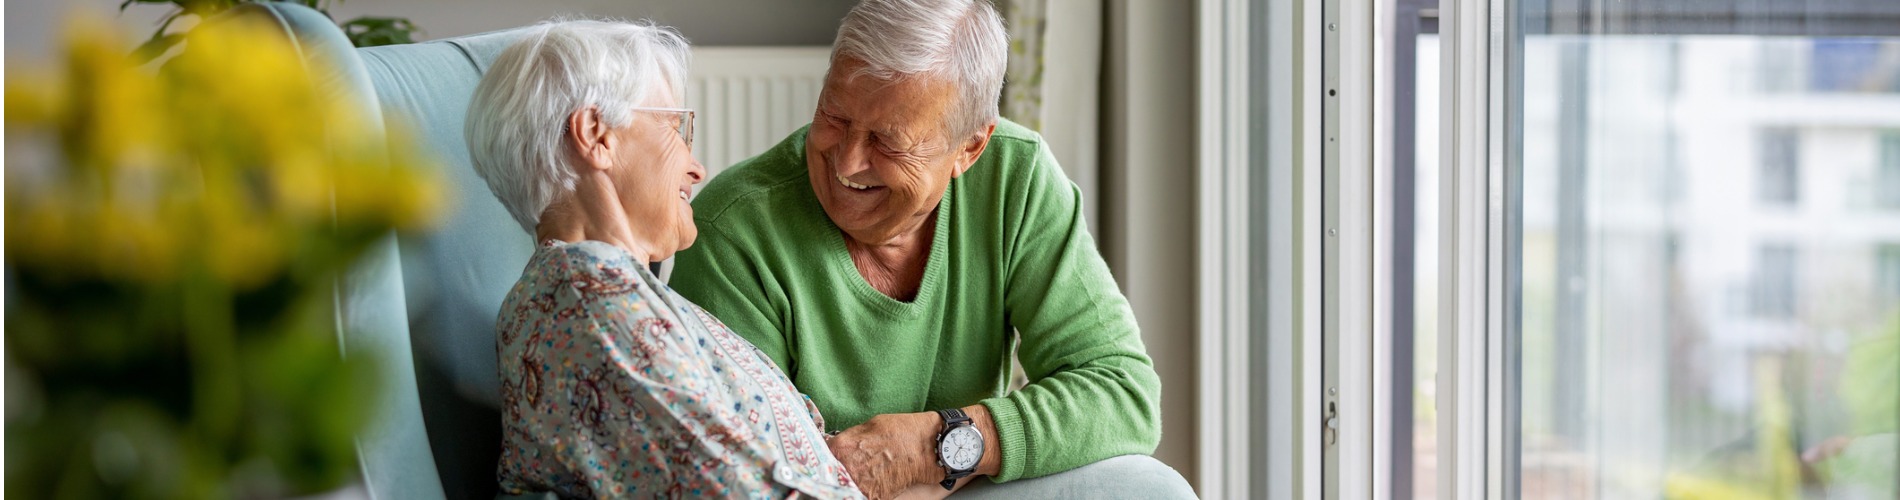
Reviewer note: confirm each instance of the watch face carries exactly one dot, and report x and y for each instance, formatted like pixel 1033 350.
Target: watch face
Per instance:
pixel 961 448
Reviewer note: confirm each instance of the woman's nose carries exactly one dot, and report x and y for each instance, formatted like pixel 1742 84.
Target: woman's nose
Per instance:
pixel 697 171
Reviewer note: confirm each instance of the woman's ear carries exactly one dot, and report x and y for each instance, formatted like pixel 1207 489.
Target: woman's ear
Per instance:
pixel 592 141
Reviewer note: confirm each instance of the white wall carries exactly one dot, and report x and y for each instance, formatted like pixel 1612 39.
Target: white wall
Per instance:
pixel 704 22
pixel 1148 197
pixel 33 26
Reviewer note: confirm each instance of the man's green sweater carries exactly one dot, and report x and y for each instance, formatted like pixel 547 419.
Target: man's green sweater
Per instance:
pixel 1011 253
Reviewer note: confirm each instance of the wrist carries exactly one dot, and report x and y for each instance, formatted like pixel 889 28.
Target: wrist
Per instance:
pixel 992 462
pixel 929 469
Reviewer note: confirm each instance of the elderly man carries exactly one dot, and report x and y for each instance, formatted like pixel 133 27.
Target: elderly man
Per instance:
pixel 884 255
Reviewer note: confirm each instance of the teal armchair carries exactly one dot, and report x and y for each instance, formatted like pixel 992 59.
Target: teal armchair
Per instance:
pixel 426 303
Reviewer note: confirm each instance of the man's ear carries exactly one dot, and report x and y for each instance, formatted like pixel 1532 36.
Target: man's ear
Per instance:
pixel 593 144
pixel 972 149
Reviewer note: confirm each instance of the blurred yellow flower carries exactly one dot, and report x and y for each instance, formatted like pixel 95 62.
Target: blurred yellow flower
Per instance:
pixel 228 160
pixel 172 235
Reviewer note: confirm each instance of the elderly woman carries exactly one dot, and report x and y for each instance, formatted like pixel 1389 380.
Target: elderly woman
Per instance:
pixel 612 385
pixel 888 255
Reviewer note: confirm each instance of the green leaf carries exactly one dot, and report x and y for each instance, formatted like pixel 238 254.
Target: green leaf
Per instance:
pixel 155 47
pixel 369 31
pixel 167 23
pixel 128 3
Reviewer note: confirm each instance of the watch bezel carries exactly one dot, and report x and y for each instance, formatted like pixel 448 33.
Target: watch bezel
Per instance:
pixel 976 437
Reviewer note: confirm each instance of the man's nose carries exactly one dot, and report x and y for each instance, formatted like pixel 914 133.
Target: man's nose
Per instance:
pixel 852 156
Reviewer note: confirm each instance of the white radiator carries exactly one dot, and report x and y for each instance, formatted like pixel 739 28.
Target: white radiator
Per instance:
pixel 750 98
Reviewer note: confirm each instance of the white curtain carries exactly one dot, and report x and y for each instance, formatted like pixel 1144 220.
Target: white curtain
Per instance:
pixel 1053 84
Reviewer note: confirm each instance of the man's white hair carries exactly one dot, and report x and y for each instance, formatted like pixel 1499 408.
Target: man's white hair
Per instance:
pixel 961 42
pixel 517 120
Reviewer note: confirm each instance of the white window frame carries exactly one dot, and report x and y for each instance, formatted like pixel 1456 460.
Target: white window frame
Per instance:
pixel 1259 258
pixel 1473 209
pixel 1359 228
pixel 1222 218
pixel 1473 452
pixel 1325 246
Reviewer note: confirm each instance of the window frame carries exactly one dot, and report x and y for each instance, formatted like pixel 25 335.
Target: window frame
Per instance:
pixel 1477 371
pixel 1259 257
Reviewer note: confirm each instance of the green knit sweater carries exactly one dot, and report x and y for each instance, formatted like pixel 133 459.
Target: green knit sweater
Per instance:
pixel 1011 256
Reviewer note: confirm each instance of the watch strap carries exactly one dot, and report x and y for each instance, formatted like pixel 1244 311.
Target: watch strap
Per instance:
pixel 952 417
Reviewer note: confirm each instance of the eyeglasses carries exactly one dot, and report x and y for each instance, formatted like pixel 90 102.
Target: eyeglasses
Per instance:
pixel 687 117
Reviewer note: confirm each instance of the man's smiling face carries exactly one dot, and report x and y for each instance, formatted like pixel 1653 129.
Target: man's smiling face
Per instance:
pixel 878 154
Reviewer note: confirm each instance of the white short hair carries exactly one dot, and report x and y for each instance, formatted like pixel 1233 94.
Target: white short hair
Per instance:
pixel 517 120
pixel 961 42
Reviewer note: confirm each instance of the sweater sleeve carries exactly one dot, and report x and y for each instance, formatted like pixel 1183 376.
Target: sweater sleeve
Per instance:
pixel 1093 391
pixel 718 275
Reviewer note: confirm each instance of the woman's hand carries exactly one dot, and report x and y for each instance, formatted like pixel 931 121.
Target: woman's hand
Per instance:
pixel 890 453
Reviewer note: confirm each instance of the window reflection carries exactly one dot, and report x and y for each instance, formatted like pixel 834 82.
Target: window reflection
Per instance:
pixel 1708 249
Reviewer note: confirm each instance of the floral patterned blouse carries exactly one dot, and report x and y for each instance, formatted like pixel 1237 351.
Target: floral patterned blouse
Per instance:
pixel 614 386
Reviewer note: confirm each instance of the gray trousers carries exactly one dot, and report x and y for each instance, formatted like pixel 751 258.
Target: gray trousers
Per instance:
pixel 1129 476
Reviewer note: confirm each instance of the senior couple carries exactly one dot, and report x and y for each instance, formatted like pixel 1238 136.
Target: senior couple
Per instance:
pixel 843 326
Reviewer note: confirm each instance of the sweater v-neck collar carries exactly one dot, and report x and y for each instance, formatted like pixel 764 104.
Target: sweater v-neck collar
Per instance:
pixel 838 259
pixel 928 290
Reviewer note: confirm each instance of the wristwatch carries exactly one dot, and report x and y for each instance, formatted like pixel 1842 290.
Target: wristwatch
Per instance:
pixel 959 446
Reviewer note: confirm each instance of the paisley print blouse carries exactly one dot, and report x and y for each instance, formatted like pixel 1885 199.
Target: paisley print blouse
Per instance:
pixel 613 386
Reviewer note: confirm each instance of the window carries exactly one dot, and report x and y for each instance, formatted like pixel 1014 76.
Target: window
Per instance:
pixel 1773 291
pixel 1779 183
pixel 1559 249
pixel 1887 280
pixel 1682 284
pixel 1887 183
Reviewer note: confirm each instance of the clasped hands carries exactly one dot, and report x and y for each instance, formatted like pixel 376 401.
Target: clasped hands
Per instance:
pixel 895 455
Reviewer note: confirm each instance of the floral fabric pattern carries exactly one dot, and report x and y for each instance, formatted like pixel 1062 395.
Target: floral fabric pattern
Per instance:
pixel 614 386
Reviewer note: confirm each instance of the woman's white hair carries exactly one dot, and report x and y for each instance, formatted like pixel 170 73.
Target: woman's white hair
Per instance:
pixel 517 119
pixel 961 42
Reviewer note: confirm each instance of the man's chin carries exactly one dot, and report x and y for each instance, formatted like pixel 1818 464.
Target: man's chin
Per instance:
pixel 866 237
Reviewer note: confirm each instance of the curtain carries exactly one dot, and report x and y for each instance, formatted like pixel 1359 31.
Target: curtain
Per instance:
pixel 1028 25
pixel 1057 44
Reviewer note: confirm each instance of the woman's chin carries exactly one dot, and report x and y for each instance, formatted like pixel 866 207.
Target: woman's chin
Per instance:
pixel 685 242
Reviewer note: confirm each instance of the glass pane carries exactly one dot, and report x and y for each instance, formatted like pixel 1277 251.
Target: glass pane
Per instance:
pixel 1709 300
pixel 1425 272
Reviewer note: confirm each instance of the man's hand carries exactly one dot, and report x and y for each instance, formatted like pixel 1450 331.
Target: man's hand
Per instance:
pixel 893 452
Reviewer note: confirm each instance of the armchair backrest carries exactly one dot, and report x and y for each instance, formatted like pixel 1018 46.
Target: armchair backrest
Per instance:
pixel 426 303
pixel 456 275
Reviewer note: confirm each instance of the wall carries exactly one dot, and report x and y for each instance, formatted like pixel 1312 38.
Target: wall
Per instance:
pixel 704 22
pixel 33 27
pixel 1148 197
pixel 1072 98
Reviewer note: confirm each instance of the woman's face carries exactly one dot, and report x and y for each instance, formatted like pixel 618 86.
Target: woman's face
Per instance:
pixel 654 179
